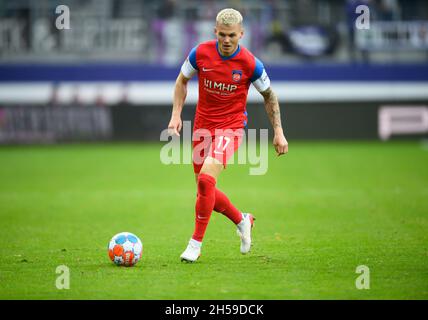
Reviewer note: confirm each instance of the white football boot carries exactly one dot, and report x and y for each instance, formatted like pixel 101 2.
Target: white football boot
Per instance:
pixel 244 231
pixel 192 252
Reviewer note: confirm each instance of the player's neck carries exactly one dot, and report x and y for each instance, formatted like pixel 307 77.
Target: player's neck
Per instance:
pixel 225 55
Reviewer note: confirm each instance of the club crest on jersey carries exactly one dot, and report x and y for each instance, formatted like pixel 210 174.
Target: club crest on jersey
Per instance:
pixel 236 75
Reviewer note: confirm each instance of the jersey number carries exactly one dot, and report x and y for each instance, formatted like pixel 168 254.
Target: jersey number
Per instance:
pixel 220 145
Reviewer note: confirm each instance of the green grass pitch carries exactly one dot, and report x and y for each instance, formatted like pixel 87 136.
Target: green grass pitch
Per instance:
pixel 322 210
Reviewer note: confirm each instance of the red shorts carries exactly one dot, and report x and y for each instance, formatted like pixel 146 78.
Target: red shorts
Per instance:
pixel 220 144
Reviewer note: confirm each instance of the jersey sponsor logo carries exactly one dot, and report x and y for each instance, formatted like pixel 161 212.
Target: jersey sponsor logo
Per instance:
pixel 236 75
pixel 206 70
pixel 219 85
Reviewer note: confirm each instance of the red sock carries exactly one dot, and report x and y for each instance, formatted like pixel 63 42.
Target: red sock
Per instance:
pixel 204 204
pixel 224 206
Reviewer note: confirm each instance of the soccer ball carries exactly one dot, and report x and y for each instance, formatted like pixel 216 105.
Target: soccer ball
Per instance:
pixel 125 249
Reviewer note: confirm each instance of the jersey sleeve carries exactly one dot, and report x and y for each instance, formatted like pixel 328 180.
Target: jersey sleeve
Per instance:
pixel 189 67
pixel 260 79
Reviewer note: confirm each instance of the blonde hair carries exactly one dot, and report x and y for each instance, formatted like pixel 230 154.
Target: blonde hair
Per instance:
pixel 229 16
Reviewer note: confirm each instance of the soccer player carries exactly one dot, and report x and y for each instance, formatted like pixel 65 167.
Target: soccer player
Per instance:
pixel 225 70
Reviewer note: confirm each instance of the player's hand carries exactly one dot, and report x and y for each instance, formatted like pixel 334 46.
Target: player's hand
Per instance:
pixel 174 126
pixel 280 144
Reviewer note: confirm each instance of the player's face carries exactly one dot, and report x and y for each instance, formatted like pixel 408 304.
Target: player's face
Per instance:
pixel 228 37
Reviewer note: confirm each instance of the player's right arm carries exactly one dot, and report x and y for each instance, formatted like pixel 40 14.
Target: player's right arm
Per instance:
pixel 180 93
pixel 188 69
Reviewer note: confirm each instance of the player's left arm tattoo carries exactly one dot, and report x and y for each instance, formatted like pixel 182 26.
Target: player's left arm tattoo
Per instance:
pixel 272 108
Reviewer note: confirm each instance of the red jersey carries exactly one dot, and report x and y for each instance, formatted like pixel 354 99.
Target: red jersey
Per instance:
pixel 223 84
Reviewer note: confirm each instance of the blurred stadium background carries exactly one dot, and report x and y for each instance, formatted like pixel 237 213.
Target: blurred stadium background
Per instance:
pixel 111 75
